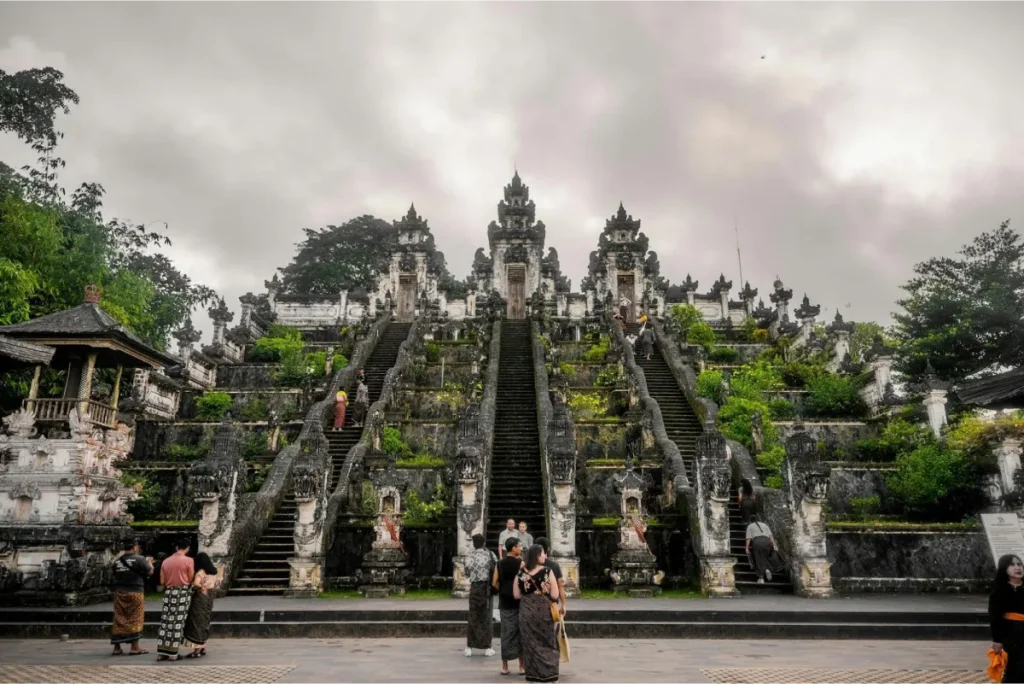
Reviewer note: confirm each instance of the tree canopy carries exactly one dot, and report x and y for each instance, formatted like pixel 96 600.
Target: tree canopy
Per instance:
pixel 965 314
pixel 51 248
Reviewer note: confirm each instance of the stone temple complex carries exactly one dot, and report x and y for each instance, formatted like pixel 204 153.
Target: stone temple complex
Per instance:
pixel 512 396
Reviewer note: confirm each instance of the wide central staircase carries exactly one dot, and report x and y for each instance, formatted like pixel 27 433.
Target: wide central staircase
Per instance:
pixel 683 428
pixel 517 488
pixel 266 570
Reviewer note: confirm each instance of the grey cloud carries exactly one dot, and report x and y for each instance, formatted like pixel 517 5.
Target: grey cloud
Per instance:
pixel 241 124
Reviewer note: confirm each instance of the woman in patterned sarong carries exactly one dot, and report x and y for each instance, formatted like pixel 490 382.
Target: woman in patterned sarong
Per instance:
pixel 479 566
pixel 176 573
pixel 130 571
pixel 537 592
pixel 197 626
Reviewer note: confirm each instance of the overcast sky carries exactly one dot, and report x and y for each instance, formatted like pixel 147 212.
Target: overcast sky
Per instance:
pixel 870 137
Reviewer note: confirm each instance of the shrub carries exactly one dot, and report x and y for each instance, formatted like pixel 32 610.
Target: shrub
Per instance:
pixel 279 341
pixel 419 512
pixel 724 354
pixel 927 479
pixel 709 385
pixel 684 316
pixel 608 377
pixel 761 336
pixel 835 396
pixel 598 352
pixel 422 461
pixel 368 501
pixel 340 362
pixel 863 507
pixel 294 371
pixel 392 444
pixel 254 409
pixel 587 405
pixel 453 394
pixel 567 369
pixel 148 505
pixel 754 379
pixel 747 329
pixel 317 361
pixel 898 437
pixel 254 444
pixel 213 406
pixel 433 352
pixel 781 409
pixel 256 476
pixel 798 375
pixel 186 452
pixel 701 334
pixel 772 459
pixel 734 420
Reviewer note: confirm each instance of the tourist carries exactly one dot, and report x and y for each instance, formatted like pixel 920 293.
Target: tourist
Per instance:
pixel 747 500
pixel 647 343
pixel 197 626
pixel 508 605
pixel 760 548
pixel 479 569
pixel 130 572
pixel 176 574
pixel 642 320
pixel 1006 615
pixel 362 403
pixel 556 570
pixel 525 538
pixel 624 307
pixel 340 406
pixel 509 531
pixel 536 592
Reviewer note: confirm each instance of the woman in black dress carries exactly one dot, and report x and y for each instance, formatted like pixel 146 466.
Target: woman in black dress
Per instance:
pixel 1006 615
pixel 537 590
pixel 747 501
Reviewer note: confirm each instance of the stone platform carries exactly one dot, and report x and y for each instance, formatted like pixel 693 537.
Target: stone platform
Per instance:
pixel 952 617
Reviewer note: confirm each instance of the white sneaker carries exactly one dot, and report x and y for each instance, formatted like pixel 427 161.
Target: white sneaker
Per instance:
pixel 759 581
pixel 768 575
pixel 489 652
pixel 469 653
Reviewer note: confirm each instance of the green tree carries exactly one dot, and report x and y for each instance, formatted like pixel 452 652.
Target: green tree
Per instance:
pixel 29 102
pixel 965 314
pixel 341 257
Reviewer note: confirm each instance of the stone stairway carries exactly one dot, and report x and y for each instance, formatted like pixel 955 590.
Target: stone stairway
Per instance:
pixel 746 580
pixel 516 486
pixel 681 423
pixel 266 570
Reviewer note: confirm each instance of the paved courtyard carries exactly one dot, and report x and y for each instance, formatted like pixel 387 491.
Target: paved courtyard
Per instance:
pixel 441 660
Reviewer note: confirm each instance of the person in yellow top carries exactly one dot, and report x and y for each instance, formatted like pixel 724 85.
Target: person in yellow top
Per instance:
pixel 643 318
pixel 340 405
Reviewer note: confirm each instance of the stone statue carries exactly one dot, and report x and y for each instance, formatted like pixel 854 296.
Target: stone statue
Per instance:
pixel 756 434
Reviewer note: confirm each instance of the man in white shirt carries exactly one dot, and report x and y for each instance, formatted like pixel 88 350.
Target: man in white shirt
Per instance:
pixel 509 531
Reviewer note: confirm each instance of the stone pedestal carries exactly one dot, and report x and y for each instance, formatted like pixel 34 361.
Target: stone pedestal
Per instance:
pixel 383 573
pixel 717 578
pixel 812 577
pixel 460 581
pixel 570 574
pixel 304 578
pixel 635 572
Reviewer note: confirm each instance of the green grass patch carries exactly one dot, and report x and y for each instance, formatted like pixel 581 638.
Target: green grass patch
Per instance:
pixel 667 593
pixel 421 461
pixel 334 594
pixel 897 525
pixel 608 521
pixel 154 597
pixel 165 523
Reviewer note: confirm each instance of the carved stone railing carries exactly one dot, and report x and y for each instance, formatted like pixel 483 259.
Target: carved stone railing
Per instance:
pixel 58 410
pixel 559 477
pixel 466 513
pixel 342 494
pixel 677 481
pixel 257 509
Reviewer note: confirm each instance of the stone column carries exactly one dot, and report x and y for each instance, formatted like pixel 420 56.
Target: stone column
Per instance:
pixel 935 402
pixel 1008 458
pixel 115 394
pixel 216 483
pixel 714 484
pixel 343 300
pixel 85 384
pixel 311 476
pixel 805 484
pixel 33 390
pixel 840 351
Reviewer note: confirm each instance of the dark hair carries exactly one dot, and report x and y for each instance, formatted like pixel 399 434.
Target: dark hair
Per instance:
pixel 543 541
pixel 511 543
pixel 204 563
pixel 746 487
pixel 478 541
pixel 1002 577
pixel 533 556
pixel 183 543
pixel 129 545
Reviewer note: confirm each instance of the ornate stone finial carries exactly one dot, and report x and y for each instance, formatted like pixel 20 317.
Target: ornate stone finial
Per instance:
pixel 690 285
pixel 838 325
pixel 621 221
pixel 930 381
pixel 186 334
pixel 780 295
pixel 721 285
pixel 273 285
pixel 806 310
pixel 92 294
pixel 219 312
pixel 879 349
pixel 21 424
pixel 747 294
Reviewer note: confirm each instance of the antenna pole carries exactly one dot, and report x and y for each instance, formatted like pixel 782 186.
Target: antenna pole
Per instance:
pixel 739 259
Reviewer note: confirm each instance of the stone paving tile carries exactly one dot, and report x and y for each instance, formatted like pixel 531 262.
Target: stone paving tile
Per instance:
pixel 142 674
pixel 810 676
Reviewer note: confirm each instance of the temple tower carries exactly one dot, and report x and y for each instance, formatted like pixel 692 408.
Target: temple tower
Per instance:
pixel 621 268
pixel 517 248
pixel 408 277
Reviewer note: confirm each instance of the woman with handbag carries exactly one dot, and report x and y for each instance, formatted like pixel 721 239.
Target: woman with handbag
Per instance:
pixel 200 611
pixel 537 592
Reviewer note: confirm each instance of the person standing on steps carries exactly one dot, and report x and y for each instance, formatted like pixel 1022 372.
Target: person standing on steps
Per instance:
pixel 176 574
pixel 624 308
pixel 510 532
pixel 760 548
pixel 556 570
pixel 525 538
pixel 647 343
pixel 340 406
pixel 747 501
pixel 508 606
pixel 130 573
pixel 479 570
pixel 362 404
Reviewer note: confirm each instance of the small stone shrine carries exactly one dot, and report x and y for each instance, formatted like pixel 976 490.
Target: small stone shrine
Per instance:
pixel 634 568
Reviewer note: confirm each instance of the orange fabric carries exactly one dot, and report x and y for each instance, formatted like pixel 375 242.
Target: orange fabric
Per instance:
pixel 997 662
pixel 1016 617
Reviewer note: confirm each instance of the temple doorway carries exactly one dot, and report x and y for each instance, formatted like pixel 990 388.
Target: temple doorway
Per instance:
pixel 516 291
pixel 406 298
pixel 627 289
